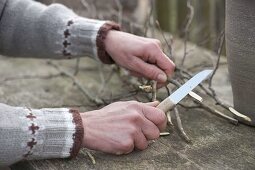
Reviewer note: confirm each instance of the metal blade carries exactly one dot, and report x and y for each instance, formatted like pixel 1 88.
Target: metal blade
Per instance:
pixel 184 90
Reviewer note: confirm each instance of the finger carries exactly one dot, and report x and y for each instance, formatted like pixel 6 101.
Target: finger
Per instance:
pixel 140 141
pixel 156 116
pixel 162 61
pixel 153 104
pixel 125 146
pixel 150 130
pixel 155 55
pixel 148 70
pixel 135 74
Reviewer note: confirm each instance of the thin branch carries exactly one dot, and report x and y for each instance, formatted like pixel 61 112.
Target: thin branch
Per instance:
pixel 169 119
pixel 91 157
pixel 164 133
pixel 77 66
pixel 216 66
pixel 190 17
pixel 154 90
pixel 103 81
pixel 218 113
pixel 168 44
pixel 28 77
pixel 214 111
pixel 120 11
pixel 75 81
pixel 180 127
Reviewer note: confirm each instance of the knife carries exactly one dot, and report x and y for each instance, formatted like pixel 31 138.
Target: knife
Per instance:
pixel 170 102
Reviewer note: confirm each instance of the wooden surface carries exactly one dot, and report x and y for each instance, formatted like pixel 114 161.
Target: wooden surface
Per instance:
pixel 216 144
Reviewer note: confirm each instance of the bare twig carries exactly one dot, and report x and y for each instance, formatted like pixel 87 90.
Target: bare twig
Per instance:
pixel 214 111
pixel 190 17
pixel 92 158
pixel 218 113
pixel 169 119
pixel 90 7
pixel 103 81
pixel 75 81
pixel 164 134
pixel 154 90
pixel 167 43
pixel 77 66
pixel 120 11
pixel 28 77
pixel 239 115
pixel 146 88
pixel 196 96
pixel 180 127
pixel 147 23
pixel 216 66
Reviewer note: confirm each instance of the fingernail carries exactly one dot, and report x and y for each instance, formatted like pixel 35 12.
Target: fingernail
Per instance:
pixel 162 77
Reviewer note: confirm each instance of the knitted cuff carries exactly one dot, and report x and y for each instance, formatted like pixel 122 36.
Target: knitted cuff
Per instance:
pixel 79 132
pixel 100 41
pixel 55 133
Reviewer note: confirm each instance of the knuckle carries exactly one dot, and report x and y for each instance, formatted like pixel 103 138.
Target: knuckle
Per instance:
pixel 136 117
pixel 158 43
pixel 127 146
pixel 133 131
pixel 161 120
pixel 131 63
pixel 156 133
pixel 154 44
pixel 161 117
pixel 153 73
pixel 135 105
pixel 143 145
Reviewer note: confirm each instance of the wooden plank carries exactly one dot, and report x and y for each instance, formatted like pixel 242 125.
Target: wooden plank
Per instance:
pixel 216 144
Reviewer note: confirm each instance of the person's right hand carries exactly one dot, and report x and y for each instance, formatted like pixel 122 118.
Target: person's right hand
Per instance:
pixel 120 127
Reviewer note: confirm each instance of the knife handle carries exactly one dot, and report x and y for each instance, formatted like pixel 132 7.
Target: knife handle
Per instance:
pixel 166 105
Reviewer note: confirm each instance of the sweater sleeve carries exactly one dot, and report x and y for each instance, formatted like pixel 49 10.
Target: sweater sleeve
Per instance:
pixel 31 29
pixel 27 134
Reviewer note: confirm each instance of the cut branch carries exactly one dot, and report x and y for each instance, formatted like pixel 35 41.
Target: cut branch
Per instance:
pixel 75 81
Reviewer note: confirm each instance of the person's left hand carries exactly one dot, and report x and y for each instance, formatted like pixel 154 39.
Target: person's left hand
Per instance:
pixel 143 57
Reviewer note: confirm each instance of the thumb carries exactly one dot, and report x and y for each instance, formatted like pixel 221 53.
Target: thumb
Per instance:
pixel 153 104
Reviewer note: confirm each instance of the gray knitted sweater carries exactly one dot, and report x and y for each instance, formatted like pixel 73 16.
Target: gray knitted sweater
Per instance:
pixel 30 29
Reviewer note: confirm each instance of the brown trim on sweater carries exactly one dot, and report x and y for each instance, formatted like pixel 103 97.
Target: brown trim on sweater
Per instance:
pixel 102 33
pixel 79 133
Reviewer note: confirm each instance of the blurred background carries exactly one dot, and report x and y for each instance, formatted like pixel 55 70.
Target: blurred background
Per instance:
pixel 207 24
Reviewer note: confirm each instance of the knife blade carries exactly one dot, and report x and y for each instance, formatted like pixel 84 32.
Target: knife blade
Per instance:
pixel 183 91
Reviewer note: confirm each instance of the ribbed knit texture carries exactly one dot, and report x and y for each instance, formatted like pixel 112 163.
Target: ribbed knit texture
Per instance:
pixel 35 134
pixel 35 30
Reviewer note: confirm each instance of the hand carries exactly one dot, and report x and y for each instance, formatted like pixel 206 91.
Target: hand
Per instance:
pixel 143 57
pixel 120 127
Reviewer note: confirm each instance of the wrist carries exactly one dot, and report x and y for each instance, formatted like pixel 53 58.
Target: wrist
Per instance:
pixel 102 43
